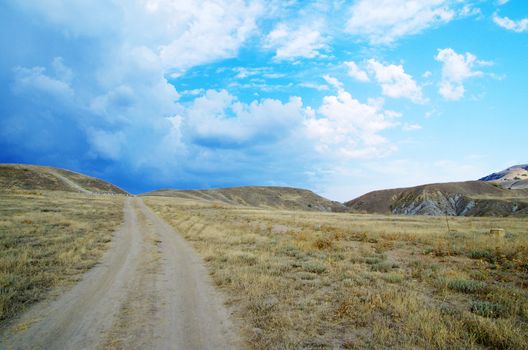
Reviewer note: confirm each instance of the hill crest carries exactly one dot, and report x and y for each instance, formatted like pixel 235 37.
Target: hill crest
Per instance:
pixel 258 196
pixel 514 177
pixel 45 178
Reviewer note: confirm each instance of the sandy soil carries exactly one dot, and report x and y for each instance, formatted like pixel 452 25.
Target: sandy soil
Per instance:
pixel 150 291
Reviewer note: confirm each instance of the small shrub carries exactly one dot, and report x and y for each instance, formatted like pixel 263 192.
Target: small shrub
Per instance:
pixel 483 254
pixel 373 260
pixel 338 256
pixel 393 278
pixel 479 275
pixel 487 309
pixel 448 309
pixel 322 243
pixel 314 267
pixel 291 251
pixel 466 286
pixel 382 267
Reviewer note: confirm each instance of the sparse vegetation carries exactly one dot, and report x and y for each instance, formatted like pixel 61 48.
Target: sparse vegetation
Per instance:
pixel 47 239
pixel 328 281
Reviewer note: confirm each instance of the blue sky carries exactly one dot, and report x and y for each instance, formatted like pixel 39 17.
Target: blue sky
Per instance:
pixel 341 97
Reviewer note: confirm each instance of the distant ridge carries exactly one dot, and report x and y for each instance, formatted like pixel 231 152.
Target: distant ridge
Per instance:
pixel 470 198
pixel 258 196
pixel 515 177
pixel 44 178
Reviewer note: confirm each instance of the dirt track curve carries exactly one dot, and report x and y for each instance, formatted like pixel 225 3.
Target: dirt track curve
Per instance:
pixel 67 181
pixel 150 291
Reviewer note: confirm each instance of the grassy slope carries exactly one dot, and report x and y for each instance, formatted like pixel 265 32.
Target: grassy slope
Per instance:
pixel 48 238
pixel 328 280
pixel 32 177
pixel 258 196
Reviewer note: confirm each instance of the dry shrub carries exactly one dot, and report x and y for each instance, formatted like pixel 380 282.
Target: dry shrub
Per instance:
pixel 322 243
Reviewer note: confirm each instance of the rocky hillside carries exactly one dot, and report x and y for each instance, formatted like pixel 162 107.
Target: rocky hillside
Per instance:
pixel 15 177
pixel 471 198
pixel 258 196
pixel 515 177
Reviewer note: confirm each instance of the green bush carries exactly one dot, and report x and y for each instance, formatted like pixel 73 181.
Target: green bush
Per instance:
pixel 487 309
pixel 466 286
pixel 483 254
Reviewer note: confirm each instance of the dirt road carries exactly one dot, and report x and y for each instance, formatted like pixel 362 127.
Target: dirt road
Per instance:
pixel 68 182
pixel 150 291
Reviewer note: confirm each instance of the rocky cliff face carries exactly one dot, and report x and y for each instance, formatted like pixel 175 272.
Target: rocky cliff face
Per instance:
pixel 457 204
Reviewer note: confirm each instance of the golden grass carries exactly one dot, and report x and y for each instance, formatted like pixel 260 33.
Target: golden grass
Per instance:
pixel 329 281
pixel 48 239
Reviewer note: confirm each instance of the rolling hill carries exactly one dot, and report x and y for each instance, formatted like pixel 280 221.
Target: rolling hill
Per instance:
pixel 33 177
pixel 470 198
pixel 500 194
pixel 515 177
pixel 258 196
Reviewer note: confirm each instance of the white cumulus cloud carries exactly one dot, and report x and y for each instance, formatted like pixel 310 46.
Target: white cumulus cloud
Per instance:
pixel 290 44
pixel 395 82
pixel 213 29
pixel 384 21
pixel 347 128
pixel 218 119
pixel 333 81
pixel 355 72
pixel 518 26
pixel 456 68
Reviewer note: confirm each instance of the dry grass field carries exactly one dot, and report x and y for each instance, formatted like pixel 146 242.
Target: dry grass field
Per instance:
pixel 48 239
pixel 335 280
